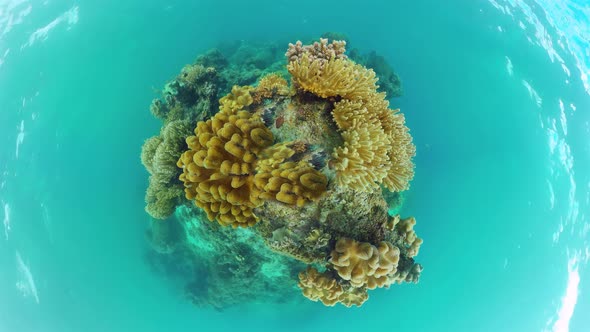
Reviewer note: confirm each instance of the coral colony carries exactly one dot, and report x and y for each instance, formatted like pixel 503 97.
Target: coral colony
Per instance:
pixel 304 166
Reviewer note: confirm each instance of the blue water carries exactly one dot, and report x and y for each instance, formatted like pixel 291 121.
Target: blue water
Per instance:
pixel 496 94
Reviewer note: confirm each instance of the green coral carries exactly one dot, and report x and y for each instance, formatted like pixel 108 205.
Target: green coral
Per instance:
pixel 159 156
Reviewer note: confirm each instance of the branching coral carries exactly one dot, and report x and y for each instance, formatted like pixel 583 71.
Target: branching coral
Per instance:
pixel 321 51
pixel 218 168
pixel 364 264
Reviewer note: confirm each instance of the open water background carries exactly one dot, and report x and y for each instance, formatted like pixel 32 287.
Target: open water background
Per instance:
pixel 496 95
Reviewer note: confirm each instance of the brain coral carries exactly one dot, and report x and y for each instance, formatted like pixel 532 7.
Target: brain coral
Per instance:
pixel 305 164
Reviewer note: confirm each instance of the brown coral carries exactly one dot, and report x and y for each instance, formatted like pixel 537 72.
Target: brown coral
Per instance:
pixel 335 77
pixel 401 153
pixel 361 163
pixel 377 146
pixel 218 168
pixel 405 230
pixel 289 182
pixel 323 287
pixel 380 151
pixel 354 296
pixel 364 264
pixel 319 287
pixel 269 86
pixel 239 98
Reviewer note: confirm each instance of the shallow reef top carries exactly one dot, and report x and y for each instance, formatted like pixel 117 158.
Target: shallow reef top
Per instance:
pixel 304 164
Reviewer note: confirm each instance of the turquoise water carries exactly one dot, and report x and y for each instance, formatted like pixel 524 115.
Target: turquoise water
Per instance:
pixel 496 94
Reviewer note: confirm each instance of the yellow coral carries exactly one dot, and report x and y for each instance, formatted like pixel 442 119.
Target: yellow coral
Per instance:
pixel 364 264
pixel 336 77
pixel 293 183
pixel 269 86
pixel 239 98
pixel 405 229
pixel 322 287
pixel 400 154
pixel 377 145
pixel 378 148
pixel 319 287
pixel 218 168
pixel 354 296
pixel 361 163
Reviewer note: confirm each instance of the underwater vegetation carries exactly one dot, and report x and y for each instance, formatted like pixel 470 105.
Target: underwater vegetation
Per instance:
pixel 303 160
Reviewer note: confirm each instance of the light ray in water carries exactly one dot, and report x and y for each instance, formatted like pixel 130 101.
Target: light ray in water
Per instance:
pixel 26 284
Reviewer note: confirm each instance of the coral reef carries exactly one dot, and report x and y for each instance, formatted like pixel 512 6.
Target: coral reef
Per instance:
pixel 309 172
